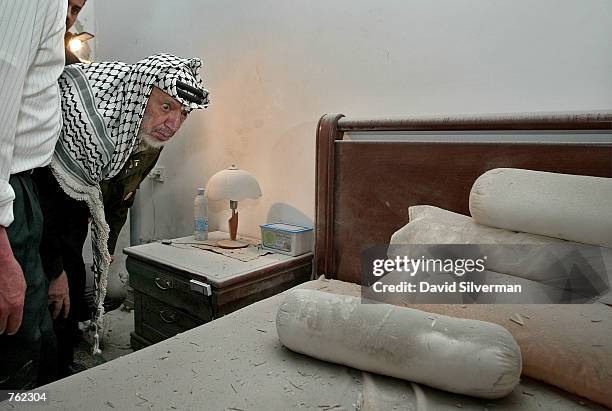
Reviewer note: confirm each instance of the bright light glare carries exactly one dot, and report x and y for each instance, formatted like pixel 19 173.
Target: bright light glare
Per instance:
pixel 75 45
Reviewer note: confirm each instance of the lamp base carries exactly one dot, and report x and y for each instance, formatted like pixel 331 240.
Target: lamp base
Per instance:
pixel 231 244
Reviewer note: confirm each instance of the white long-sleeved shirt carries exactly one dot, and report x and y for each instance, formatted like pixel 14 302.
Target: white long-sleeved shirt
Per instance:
pixel 31 61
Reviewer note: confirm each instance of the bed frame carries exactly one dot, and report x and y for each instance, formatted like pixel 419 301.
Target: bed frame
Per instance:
pixel 364 188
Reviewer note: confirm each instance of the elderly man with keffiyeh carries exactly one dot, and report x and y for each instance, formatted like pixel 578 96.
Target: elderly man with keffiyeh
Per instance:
pixel 111 111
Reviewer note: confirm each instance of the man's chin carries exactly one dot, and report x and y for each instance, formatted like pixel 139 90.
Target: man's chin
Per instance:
pixel 153 142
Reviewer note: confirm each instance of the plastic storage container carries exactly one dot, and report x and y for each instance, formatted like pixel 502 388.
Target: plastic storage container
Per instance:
pixel 286 238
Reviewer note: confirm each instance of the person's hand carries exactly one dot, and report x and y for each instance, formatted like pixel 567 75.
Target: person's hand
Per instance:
pixel 12 295
pixel 58 295
pixel 12 288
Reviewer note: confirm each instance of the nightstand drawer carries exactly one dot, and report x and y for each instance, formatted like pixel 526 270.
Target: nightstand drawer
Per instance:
pixel 169 289
pixel 160 321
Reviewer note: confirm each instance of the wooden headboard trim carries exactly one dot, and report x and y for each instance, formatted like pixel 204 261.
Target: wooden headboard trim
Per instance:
pixel 327 134
pixel 506 122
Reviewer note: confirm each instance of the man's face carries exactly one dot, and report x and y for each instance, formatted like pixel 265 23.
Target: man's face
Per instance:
pixel 74 8
pixel 162 118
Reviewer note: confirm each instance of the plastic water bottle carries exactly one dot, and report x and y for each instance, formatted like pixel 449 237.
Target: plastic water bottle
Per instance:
pixel 200 216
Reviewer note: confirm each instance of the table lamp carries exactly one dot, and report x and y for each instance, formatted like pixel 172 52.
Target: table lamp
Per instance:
pixel 234 185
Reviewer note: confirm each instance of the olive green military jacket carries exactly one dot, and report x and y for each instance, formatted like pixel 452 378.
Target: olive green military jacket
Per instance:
pixel 119 192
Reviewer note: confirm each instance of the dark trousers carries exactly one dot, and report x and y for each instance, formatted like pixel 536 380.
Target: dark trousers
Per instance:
pixel 28 358
pixel 65 230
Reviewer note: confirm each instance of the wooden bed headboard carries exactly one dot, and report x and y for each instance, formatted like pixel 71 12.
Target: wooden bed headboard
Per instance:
pixel 364 188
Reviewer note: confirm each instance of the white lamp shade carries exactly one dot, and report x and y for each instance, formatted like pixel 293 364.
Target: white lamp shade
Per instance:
pixel 232 184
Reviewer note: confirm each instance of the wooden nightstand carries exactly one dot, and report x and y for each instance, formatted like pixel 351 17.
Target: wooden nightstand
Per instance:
pixel 178 287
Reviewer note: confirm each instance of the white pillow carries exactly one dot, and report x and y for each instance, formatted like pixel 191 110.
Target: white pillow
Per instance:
pixel 528 256
pixel 434 225
pixel 571 207
pixel 458 355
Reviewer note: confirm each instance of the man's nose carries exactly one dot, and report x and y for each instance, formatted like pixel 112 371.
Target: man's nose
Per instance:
pixel 173 122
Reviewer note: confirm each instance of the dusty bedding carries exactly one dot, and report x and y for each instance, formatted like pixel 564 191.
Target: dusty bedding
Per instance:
pixel 568 346
pixel 481 359
pixel 237 362
pixel 529 256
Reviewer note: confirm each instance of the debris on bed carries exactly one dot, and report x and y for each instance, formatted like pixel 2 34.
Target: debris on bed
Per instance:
pixel 144 400
pixel 298 387
pixel 359 404
pixel 516 318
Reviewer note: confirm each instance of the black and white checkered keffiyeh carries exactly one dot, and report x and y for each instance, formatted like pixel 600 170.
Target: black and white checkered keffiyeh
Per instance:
pixel 102 107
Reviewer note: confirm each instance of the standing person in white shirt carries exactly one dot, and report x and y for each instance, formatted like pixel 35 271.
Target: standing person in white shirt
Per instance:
pixel 31 61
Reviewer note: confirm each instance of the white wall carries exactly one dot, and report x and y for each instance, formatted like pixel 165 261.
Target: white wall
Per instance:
pixel 275 66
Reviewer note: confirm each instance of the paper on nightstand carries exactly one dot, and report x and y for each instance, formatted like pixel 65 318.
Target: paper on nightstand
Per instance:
pixel 249 253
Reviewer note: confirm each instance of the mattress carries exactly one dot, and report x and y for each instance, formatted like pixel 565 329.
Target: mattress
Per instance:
pixel 237 363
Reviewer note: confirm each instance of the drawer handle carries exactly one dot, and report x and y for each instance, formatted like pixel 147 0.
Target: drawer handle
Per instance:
pixel 171 318
pixel 163 284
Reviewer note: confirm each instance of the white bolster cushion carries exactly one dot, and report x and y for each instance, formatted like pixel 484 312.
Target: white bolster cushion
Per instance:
pixel 458 355
pixel 571 207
